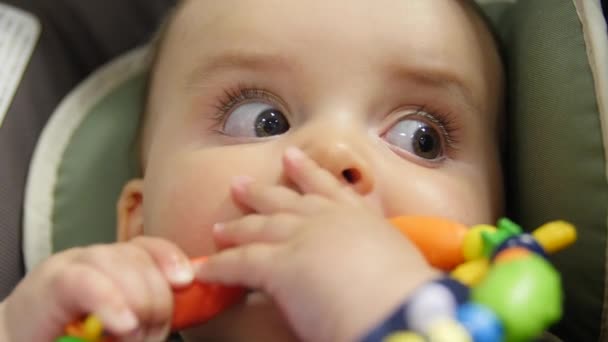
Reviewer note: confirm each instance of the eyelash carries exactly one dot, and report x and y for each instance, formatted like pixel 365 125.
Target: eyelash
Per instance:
pixel 444 121
pixel 239 95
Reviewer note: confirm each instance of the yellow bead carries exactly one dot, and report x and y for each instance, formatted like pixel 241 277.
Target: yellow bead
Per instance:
pixel 403 336
pixel 472 272
pixel 92 328
pixel 448 330
pixel 554 236
pixel 472 247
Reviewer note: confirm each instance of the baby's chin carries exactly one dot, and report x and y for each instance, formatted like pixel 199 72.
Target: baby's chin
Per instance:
pixel 256 319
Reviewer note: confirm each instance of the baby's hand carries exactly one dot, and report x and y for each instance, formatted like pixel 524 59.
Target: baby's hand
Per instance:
pixel 127 285
pixel 334 266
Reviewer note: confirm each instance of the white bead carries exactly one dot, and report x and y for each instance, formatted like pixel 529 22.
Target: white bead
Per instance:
pixel 429 304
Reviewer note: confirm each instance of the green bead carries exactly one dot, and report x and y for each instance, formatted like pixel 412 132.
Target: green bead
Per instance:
pixel 526 295
pixel 509 226
pixel 492 240
pixel 70 339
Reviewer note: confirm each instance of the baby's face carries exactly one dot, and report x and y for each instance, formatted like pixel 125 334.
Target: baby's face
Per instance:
pixel 402 95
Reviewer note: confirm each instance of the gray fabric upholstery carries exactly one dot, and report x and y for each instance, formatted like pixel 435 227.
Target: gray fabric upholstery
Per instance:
pixel 77 37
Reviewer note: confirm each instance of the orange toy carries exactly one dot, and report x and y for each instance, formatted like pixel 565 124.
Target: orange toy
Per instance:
pixel 439 240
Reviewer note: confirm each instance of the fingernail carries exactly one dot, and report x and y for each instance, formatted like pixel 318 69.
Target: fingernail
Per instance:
pixel 240 183
pixel 120 322
pixel 294 153
pixel 180 272
pixel 218 227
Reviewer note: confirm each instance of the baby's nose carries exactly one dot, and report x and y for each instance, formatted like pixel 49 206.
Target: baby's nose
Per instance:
pixel 345 162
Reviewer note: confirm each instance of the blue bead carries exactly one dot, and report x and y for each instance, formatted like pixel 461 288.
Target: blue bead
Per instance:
pixel 526 241
pixel 480 322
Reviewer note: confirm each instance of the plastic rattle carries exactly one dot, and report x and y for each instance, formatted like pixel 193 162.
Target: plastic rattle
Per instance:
pixel 505 290
pixel 496 262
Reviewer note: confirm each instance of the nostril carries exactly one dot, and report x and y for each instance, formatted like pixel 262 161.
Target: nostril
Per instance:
pixel 353 176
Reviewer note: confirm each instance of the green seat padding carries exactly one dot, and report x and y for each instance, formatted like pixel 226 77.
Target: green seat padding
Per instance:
pixel 556 167
pixel 99 160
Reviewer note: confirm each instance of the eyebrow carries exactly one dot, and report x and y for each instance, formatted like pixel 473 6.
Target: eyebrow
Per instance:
pixel 434 78
pixel 266 62
pixel 238 60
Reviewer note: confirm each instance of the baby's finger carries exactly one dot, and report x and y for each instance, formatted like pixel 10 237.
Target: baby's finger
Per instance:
pixel 82 289
pixel 138 278
pixel 264 199
pixel 308 176
pixel 171 260
pixel 247 266
pixel 255 229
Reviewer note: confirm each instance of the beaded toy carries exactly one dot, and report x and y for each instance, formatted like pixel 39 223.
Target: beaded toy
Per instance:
pixel 500 287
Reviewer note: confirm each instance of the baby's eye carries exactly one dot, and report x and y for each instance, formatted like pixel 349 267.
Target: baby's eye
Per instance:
pixel 255 119
pixel 416 136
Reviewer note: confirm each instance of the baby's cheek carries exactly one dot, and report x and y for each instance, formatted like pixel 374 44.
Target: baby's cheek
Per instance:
pixel 185 209
pixel 458 198
pixel 188 193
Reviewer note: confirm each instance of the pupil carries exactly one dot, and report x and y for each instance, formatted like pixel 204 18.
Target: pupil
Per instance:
pixel 271 122
pixel 426 143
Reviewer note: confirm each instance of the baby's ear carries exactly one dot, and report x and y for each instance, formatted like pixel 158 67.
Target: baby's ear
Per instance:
pixel 130 211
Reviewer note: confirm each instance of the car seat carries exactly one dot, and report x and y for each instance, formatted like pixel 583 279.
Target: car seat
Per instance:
pixel 76 37
pixel 556 161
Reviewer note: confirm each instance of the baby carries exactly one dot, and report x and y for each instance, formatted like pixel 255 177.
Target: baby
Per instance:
pixel 278 137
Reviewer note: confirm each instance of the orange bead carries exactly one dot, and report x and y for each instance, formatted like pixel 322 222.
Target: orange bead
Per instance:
pixel 438 239
pixel 75 329
pixel 511 254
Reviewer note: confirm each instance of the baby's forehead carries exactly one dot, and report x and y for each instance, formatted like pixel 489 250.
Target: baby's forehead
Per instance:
pixel 442 34
pixel 437 33
pixel 206 17
pixel 414 27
